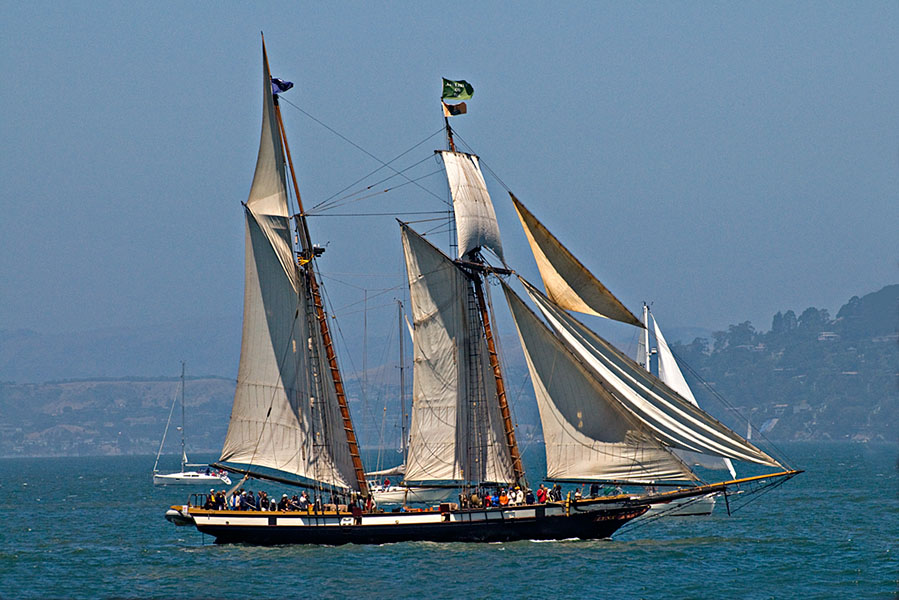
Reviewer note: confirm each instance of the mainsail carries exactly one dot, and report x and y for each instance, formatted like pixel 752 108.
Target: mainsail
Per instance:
pixel 456 430
pixel 285 415
pixel 568 283
pixel 475 217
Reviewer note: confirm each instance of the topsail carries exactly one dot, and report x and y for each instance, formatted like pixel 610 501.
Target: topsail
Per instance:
pixel 475 218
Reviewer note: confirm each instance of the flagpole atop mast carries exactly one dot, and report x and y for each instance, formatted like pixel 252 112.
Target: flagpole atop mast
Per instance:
pixel 449 132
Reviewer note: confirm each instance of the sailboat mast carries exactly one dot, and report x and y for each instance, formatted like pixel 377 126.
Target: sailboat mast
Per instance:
pixel 508 426
pixel 399 323
pixel 647 353
pixel 312 283
pixel 449 135
pixel 183 452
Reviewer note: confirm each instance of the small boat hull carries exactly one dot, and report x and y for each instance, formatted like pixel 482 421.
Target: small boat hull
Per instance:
pixel 684 507
pixel 410 495
pixel 529 522
pixel 190 478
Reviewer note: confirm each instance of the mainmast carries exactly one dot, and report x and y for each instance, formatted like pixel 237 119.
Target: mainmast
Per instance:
pixel 305 262
pixel 508 425
pixel 477 228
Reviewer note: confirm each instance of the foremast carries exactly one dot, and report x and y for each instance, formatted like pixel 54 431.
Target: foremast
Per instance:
pixel 306 262
pixel 290 421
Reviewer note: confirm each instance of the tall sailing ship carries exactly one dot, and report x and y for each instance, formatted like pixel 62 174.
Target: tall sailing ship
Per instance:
pixel 604 417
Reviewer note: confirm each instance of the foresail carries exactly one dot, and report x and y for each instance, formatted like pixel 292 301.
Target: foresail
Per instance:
pixel 273 421
pixel 476 225
pixel 568 283
pixel 588 435
pixel 285 415
pixel 456 431
pixel 673 421
pixel 671 374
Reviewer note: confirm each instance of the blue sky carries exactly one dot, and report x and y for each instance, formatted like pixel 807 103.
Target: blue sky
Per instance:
pixel 722 160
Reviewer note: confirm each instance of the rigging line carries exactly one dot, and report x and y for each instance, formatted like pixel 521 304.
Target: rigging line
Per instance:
pixel 492 173
pixel 442 228
pixel 338 204
pixel 366 310
pixel 361 149
pixel 443 219
pixel 326 200
pixel 384 214
pixel 380 293
pixel 169 422
pixel 331 202
pixel 757 493
pixel 780 454
pixel 383 373
pixel 358 287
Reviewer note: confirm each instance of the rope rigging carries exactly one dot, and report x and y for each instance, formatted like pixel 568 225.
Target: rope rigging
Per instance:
pixel 367 153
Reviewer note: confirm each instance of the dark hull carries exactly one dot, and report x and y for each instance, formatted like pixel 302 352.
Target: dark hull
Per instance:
pixel 584 525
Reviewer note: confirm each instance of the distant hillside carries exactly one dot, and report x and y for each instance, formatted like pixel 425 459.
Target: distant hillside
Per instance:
pixel 211 347
pixel 110 417
pixel 810 377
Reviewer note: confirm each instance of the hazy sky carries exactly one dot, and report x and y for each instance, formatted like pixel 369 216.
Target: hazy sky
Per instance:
pixel 723 160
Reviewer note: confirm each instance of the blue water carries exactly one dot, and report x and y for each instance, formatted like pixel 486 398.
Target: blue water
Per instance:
pixel 94 528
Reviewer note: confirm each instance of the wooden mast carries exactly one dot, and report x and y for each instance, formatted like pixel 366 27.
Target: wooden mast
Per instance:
pixel 309 272
pixel 509 426
pixel 478 268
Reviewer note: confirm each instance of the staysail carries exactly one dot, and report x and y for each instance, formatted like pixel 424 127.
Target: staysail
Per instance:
pixel 673 421
pixel 568 283
pixel 285 415
pixel 476 225
pixel 671 374
pixel 588 435
pixel 456 431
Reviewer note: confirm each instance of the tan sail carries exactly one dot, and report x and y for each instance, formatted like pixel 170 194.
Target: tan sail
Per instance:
pixel 568 283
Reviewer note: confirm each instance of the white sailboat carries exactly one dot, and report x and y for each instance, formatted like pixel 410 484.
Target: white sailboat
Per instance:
pixel 204 475
pixel 670 373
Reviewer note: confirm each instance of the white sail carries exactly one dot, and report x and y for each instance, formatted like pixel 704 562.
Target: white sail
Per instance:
pixel 456 432
pixel 671 374
pixel 673 421
pixel 568 283
pixel 285 414
pixel 475 217
pixel 588 435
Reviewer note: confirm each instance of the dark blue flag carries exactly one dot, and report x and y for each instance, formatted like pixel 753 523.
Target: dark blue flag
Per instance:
pixel 279 85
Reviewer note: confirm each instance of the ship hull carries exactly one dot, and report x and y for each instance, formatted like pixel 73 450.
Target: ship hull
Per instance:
pixel 535 522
